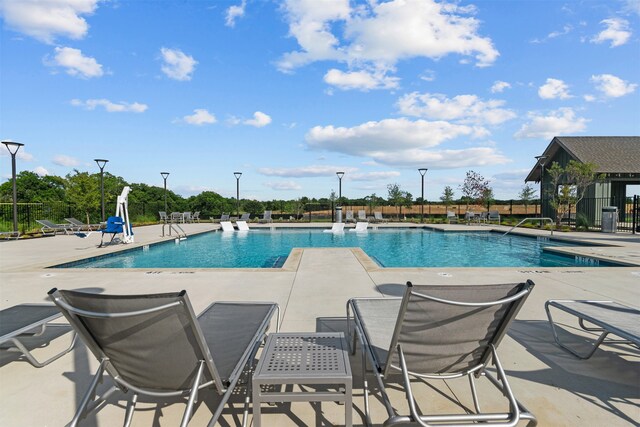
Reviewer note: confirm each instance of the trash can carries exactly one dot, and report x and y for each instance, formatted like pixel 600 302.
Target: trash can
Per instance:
pixel 609 219
pixel 339 214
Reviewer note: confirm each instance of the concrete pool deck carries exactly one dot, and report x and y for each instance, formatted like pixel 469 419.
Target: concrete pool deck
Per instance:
pixel 312 291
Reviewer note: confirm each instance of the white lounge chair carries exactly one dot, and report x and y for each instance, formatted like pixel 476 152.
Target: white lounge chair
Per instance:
pixel 362 215
pixel 361 227
pixel 378 217
pixel 338 227
pixel 452 217
pixel 227 226
pixel 242 225
pixel 349 217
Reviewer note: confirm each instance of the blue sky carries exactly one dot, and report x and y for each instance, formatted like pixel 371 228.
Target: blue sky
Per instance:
pixel 290 92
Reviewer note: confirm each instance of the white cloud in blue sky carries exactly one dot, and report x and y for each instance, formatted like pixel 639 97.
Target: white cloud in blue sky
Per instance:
pixel 305 88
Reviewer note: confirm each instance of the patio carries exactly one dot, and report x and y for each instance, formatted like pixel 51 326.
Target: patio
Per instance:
pixel 558 388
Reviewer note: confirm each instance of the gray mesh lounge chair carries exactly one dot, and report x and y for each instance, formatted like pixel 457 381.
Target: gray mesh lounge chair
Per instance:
pixel 163 216
pixel 195 217
pixel 245 217
pixel 439 332
pixel 378 217
pixel 493 216
pixel 349 217
pixel 266 217
pixel 29 320
pixel 79 225
pixel 362 215
pixel 609 318
pixel 50 228
pixel 154 345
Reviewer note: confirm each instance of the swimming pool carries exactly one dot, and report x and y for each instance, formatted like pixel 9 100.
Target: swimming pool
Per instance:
pixel 388 247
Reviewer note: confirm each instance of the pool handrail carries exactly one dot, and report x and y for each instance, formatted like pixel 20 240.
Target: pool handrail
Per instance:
pixel 532 218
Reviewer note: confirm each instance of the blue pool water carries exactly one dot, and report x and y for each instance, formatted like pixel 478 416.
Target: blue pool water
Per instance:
pixel 389 248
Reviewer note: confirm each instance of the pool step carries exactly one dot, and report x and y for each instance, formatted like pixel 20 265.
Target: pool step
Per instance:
pixel 274 262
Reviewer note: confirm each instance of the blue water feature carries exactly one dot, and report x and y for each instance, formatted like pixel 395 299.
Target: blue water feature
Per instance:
pixel 388 247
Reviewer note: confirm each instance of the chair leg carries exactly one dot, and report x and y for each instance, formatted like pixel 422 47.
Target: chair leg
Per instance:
pixel 565 347
pixel 131 406
pixel 193 396
pixel 89 395
pixel 22 349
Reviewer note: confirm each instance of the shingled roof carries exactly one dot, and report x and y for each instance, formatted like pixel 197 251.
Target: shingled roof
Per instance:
pixel 612 154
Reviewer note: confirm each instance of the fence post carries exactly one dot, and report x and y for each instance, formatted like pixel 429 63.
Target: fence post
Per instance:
pixel 28 217
pixel 511 207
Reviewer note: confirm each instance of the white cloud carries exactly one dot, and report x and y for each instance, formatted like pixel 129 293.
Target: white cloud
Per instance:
pixel 612 86
pixel 259 120
pixel 632 6
pixel 41 171
pixel 66 161
pixel 372 176
pixel 462 108
pixel 22 154
pixel 617 32
pixel 377 35
pixel 442 159
pixel 305 171
pixel 76 63
pixel 554 34
pixel 283 185
pixel 110 107
pixel 46 20
pixel 559 122
pixel 360 80
pixel 233 13
pixel 428 75
pixel 554 89
pixel 499 86
pixel 177 65
pixel 200 117
pixel 589 98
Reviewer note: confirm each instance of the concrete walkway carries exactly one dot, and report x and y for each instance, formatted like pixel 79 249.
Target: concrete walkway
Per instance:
pixel 312 291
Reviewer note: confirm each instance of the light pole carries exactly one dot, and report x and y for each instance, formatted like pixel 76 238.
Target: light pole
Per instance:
pixel 422 172
pixel 13 148
pixel 340 175
pixel 540 160
pixel 101 164
pixel 238 175
pixel 165 175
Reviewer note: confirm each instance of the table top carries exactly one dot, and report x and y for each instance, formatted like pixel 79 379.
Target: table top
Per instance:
pixel 304 355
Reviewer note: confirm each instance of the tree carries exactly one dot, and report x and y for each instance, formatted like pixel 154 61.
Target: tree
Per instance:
pixel 30 187
pixel 568 185
pixel 447 196
pixel 526 195
pixel 397 197
pixel 487 197
pixel 254 207
pixel 83 190
pixel 473 188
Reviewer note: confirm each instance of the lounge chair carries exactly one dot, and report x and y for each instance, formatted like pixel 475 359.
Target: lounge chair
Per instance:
pixel 362 215
pixel 227 226
pixel 348 217
pixel 242 225
pixel 177 217
pixel 79 225
pixel 493 216
pixel 266 217
pixel 9 234
pixel 154 345
pixel 469 217
pixel 163 216
pixel 609 317
pixel 361 227
pixel 338 227
pixel 452 217
pixel 439 332
pixel 378 217
pixel 245 217
pixel 195 217
pixel 483 217
pixel 49 228
pixel 115 226
pixel 29 320
pixel 186 217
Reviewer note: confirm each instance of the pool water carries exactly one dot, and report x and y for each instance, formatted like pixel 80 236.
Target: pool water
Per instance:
pixel 388 247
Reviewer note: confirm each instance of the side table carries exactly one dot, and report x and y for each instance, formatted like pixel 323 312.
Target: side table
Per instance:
pixel 303 358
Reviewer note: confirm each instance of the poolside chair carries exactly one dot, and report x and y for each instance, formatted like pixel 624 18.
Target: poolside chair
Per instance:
pixel 266 217
pixel 378 217
pixel 29 320
pixel 154 345
pixel 163 216
pixel 9 234
pixel 609 318
pixel 469 216
pixel 245 217
pixel 79 225
pixel 224 217
pixel 452 217
pixel 49 228
pixel 361 227
pixel 195 217
pixel 439 332
pixel 348 217
pixel 186 217
pixel 493 216
pixel 177 217
pixel 115 226
pixel 338 227
pixel 483 217
pixel 227 226
pixel 242 225
pixel 362 215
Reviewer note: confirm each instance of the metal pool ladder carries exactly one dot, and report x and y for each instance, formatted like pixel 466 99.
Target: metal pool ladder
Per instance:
pixel 533 219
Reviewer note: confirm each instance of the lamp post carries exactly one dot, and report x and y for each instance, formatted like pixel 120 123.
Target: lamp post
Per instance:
pixel 540 160
pixel 165 175
pixel 238 175
pixel 101 164
pixel 13 148
pixel 422 172
pixel 340 175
